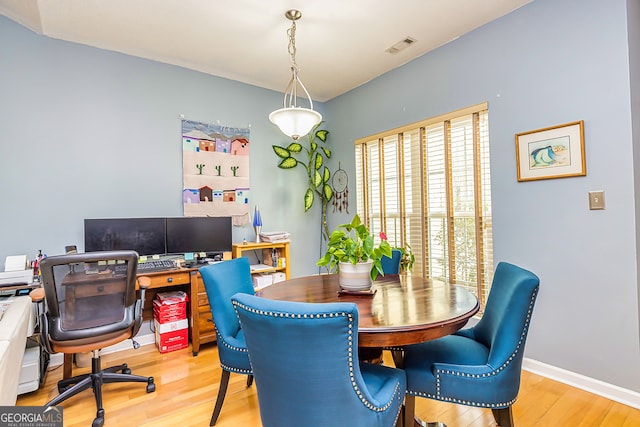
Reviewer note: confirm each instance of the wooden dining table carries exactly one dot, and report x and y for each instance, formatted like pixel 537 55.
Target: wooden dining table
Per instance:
pixel 401 310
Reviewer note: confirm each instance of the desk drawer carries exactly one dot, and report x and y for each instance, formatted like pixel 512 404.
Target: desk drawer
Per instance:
pixel 205 322
pixel 169 279
pixel 203 301
pixel 97 289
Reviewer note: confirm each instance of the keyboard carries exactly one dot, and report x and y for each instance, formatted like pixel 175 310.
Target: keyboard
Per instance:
pixel 156 265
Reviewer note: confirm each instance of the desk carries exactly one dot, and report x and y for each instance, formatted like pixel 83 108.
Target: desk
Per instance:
pixel 201 327
pixel 404 310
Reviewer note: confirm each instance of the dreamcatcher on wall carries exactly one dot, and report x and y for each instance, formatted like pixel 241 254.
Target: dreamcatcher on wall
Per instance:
pixel 215 170
pixel 340 190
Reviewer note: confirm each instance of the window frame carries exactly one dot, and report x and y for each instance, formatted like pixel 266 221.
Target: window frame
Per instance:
pixel 373 148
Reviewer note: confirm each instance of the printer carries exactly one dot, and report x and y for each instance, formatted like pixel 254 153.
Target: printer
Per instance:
pixel 16 271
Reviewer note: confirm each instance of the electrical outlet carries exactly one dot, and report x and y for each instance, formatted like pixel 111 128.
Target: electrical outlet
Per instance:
pixel 596 200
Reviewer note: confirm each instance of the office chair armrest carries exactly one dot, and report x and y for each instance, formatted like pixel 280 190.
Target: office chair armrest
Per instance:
pixel 144 282
pixel 37 295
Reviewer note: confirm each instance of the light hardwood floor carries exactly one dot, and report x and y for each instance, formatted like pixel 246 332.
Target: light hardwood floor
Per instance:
pixel 186 388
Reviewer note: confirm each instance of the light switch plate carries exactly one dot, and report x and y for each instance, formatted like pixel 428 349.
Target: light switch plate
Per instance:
pixel 596 200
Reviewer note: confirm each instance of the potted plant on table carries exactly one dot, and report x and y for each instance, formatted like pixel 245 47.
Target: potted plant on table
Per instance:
pixel 351 251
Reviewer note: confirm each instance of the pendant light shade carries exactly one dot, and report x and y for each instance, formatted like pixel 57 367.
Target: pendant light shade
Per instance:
pixel 294 121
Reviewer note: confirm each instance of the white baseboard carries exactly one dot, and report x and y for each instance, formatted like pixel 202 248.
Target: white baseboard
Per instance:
pixel 610 391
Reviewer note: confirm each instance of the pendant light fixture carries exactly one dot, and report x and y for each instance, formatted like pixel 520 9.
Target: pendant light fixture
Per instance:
pixel 294 121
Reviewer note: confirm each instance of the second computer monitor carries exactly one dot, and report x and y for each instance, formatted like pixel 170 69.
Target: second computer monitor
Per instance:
pixel 211 235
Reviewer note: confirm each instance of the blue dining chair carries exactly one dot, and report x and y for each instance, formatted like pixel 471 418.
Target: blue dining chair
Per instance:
pixel 391 265
pixel 222 281
pixel 480 366
pixel 305 360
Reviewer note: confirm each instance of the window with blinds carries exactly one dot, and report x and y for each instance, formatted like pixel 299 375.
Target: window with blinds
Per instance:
pixel 427 185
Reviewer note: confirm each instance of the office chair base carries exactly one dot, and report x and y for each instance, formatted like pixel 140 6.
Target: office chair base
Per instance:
pixel 115 374
pixel 99 419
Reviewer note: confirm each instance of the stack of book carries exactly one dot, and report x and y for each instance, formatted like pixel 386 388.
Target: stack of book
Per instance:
pixel 274 236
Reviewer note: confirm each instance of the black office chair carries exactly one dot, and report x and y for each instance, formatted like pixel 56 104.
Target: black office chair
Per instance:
pixel 91 304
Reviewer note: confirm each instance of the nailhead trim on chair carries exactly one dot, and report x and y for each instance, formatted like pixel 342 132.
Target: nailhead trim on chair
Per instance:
pixel 236 370
pixel 240 349
pixel 226 344
pixel 350 339
pixel 440 372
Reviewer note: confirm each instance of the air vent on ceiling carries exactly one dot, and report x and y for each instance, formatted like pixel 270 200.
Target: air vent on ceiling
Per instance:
pixel 401 45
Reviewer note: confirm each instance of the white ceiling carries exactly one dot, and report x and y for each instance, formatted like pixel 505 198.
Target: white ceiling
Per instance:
pixel 340 43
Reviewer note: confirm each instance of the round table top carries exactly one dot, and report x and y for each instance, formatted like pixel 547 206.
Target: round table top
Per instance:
pixel 403 310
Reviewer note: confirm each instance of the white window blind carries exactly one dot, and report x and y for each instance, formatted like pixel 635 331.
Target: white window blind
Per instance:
pixel 427 185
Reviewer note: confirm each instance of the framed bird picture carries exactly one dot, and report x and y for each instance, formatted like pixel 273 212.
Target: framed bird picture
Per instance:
pixel 553 152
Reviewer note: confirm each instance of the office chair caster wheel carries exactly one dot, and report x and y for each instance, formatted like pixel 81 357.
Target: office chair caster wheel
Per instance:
pixel 125 369
pixel 151 387
pixel 99 419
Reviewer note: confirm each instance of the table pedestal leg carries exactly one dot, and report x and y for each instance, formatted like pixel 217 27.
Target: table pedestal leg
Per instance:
pixel 370 354
pixel 409 418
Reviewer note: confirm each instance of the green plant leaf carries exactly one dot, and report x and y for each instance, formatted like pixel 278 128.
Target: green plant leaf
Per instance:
pixel 322 135
pixel 314 146
pixel 308 199
pixel 327 152
pixel 317 179
pixel 295 147
pixel 327 191
pixel 326 174
pixel 318 161
pixel 281 151
pixel 288 163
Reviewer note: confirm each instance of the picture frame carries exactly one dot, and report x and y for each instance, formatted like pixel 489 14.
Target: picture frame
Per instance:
pixel 552 152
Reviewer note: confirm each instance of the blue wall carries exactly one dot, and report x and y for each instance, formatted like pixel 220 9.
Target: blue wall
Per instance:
pixel 87 133
pixel 548 63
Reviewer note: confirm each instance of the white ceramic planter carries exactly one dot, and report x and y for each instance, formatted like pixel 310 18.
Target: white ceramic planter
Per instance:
pixel 355 277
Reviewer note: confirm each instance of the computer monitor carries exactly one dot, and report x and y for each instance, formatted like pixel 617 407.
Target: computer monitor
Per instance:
pixel 212 235
pixel 143 235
